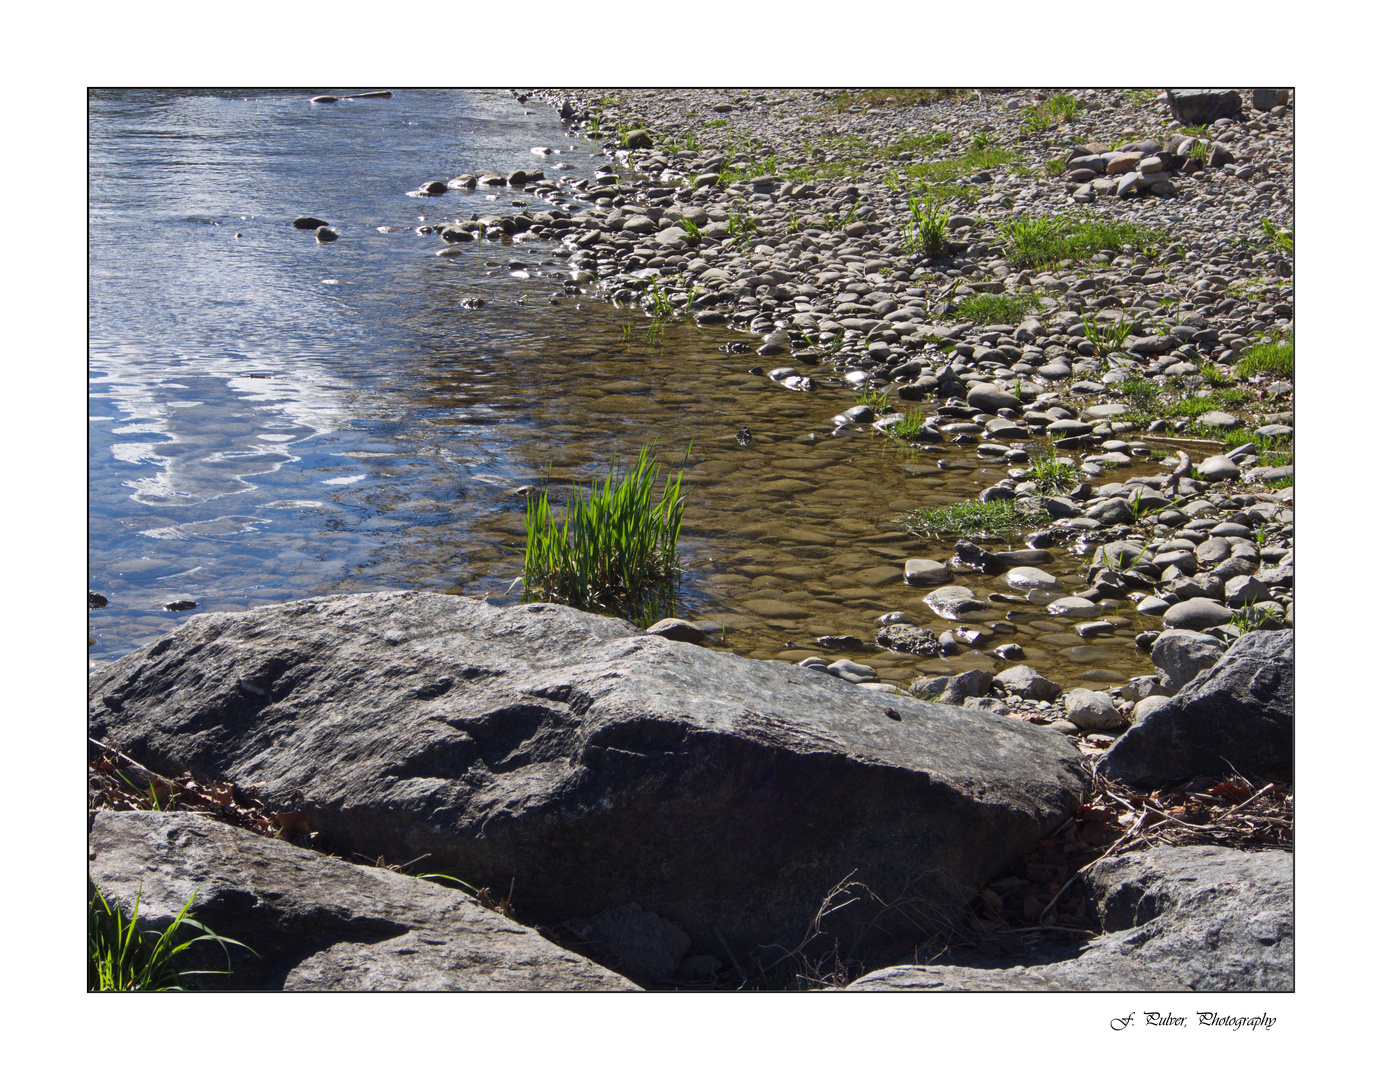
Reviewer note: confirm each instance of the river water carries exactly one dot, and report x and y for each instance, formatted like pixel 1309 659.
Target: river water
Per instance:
pixel 272 418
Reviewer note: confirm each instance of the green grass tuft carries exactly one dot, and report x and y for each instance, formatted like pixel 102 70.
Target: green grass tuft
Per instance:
pixel 615 550
pixel 875 398
pixel 1271 452
pixel 1051 475
pixel 973 517
pixel 1055 110
pixel 1106 339
pixel 897 97
pixel 997 307
pixel 121 956
pixel 907 428
pixel 1045 241
pixel 925 232
pixel 1282 240
pixel 1274 359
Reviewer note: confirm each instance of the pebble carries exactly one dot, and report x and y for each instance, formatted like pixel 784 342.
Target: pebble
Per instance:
pixel 1197 613
pixel 852 672
pixel 901 637
pixel 953 601
pixel 926 572
pixel 1092 710
pixel 1072 605
pixel 1219 468
pixel 1025 683
pixel 677 630
pixel 1030 577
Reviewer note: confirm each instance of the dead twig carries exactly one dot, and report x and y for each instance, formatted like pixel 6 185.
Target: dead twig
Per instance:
pixel 1127 836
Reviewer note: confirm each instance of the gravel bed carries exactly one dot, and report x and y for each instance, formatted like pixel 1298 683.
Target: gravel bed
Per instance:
pixel 1072 282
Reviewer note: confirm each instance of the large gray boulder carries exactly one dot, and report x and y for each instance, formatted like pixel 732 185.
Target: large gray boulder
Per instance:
pixel 591 765
pixel 1204 106
pixel 1175 918
pixel 1238 714
pixel 318 922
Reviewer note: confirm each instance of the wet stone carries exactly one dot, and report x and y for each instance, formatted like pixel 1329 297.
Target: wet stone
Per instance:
pixel 901 637
pixel 1219 468
pixel 1029 577
pixel 926 572
pixel 1027 557
pixel 954 689
pixel 1072 605
pixel 1153 605
pixel 954 601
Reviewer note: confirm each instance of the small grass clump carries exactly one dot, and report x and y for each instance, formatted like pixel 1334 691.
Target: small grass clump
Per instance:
pixel 991 308
pixel 1192 406
pixel 659 304
pixel 1052 475
pixel 1106 339
pixel 1045 241
pixel 1248 618
pixel 925 232
pixel 1055 110
pixel 895 97
pixel 1282 240
pixel 1274 359
pixel 742 226
pixel 1214 377
pixel 1002 516
pixel 1033 241
pixel 1272 452
pixel 976 158
pixel 121 956
pixel 908 427
pixel 1148 400
pixel 616 548
pixel 1140 394
pixel 943 192
pixel 875 398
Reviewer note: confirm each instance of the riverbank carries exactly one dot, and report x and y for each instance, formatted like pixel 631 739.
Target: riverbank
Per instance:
pixel 1084 362
pixel 1065 283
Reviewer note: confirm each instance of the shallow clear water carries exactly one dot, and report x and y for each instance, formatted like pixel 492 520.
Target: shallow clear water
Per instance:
pixel 273 418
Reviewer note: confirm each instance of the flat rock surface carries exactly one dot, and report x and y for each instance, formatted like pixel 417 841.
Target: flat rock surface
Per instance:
pixel 588 764
pixel 317 922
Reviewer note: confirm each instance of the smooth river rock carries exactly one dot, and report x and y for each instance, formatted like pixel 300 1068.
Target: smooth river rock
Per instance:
pixel 1180 655
pixel 926 572
pixel 953 602
pixel 1197 613
pixel 1030 577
